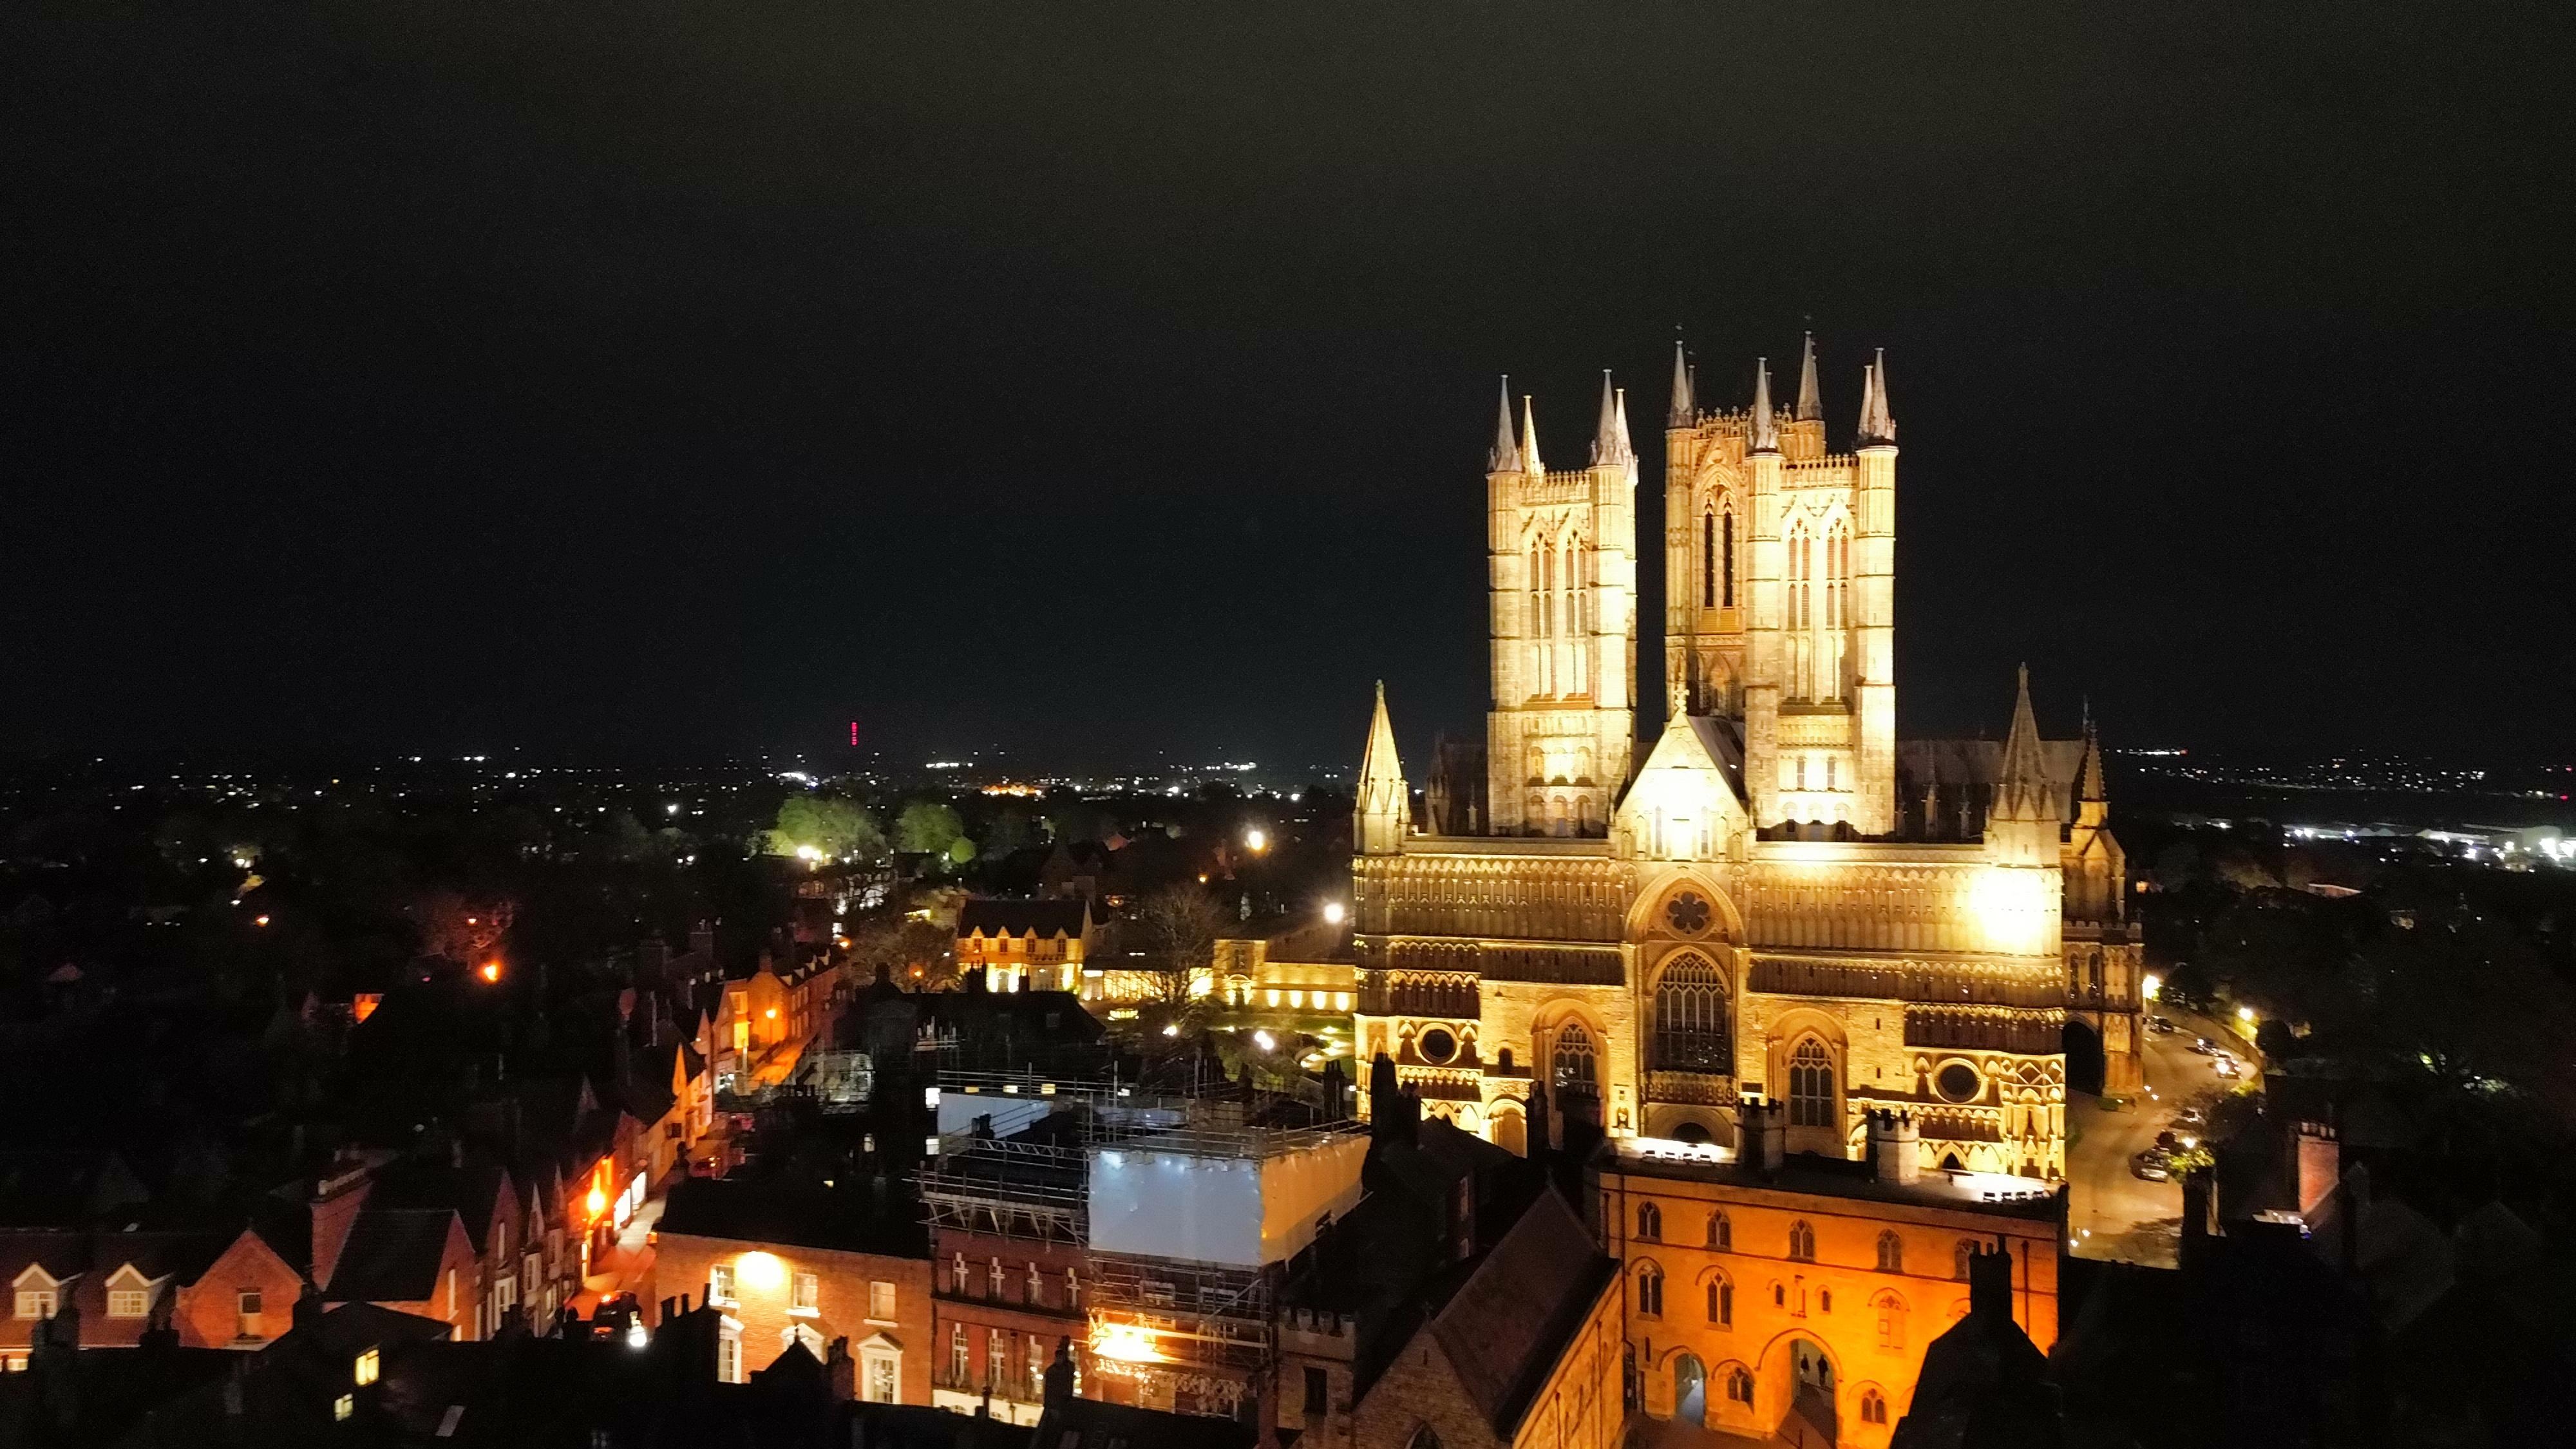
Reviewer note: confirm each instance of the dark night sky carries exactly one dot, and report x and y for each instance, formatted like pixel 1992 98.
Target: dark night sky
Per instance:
pixel 673 378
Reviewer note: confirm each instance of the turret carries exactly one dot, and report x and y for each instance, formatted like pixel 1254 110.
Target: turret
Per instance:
pixel 1385 806
pixel 1683 408
pixel 1505 457
pixel 1895 1146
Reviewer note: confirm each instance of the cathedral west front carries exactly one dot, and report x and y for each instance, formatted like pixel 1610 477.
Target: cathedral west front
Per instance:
pixel 1767 896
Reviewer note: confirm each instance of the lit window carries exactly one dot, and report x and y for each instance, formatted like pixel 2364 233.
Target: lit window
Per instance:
pixel 1072 1289
pixel 368 1363
pixel 36 1302
pixel 128 1303
pixel 1811 1085
pixel 720 1283
pixel 807 1295
pixel 959 1375
pixel 957 1273
pixel 994 1278
pixel 343 1406
pixel 1690 1018
pixel 729 1358
pixel 881 1301
pixel 1037 1286
pixel 997 1358
pixel 885 1373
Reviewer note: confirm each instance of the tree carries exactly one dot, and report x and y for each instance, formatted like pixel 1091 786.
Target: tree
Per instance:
pixel 827 824
pixel 1175 929
pixel 927 827
pixel 902 947
pixel 461 929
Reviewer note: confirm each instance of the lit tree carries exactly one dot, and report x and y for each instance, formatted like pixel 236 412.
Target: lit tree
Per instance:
pixel 462 929
pixel 825 823
pixel 928 827
pixel 1176 928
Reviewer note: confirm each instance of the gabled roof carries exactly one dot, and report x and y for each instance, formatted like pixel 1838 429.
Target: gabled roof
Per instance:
pixel 1507 1325
pixel 1021 918
pixel 392 1255
pixel 473 1191
pixel 847 1218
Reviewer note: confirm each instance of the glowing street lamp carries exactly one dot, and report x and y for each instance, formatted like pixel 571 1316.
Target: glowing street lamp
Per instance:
pixel 1333 913
pixel 2245 1014
pixel 491 970
pixel 1256 840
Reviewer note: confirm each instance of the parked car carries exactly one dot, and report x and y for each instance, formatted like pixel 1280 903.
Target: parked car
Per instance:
pixel 2204 1046
pixel 2190 1119
pixel 2152 1164
pixel 2160 1024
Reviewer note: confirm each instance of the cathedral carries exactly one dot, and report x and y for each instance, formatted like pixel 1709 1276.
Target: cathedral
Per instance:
pixel 1770 898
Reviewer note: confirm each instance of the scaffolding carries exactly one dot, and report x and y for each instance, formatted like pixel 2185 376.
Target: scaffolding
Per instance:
pixel 1024 1190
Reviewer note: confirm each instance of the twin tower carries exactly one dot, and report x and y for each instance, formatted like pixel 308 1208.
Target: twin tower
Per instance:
pixel 1779 608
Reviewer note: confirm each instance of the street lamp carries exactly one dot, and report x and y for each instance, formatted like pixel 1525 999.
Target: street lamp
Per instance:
pixel 1333 913
pixel 1256 840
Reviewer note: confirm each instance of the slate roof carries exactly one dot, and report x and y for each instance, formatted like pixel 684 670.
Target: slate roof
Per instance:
pixel 808 1215
pixel 1506 1326
pixel 392 1256
pixel 471 1190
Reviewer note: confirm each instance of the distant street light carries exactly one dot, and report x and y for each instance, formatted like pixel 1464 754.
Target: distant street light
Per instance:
pixel 1256 840
pixel 2245 1014
pixel 1333 913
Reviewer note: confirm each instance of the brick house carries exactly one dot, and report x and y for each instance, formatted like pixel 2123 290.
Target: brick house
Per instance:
pixel 796 1264
pixel 214 1291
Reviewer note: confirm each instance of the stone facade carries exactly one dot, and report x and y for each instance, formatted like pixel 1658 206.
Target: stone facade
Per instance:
pixel 1779 901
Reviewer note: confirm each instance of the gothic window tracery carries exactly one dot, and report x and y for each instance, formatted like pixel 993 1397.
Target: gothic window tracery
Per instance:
pixel 1811 1085
pixel 1573 1064
pixel 1690 1017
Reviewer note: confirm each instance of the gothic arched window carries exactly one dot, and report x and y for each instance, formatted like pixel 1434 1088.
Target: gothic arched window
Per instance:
pixel 1690 1018
pixel 1739 1385
pixel 1650 1290
pixel 1811 1085
pixel 1959 1260
pixel 1891 1253
pixel 1721 1233
pixel 1726 555
pixel 1721 1303
pixel 1802 1241
pixel 1650 1222
pixel 1573 1065
pixel 1708 564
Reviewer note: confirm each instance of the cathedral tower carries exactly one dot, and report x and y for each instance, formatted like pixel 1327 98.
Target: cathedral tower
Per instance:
pixel 1562 577
pixel 1780 564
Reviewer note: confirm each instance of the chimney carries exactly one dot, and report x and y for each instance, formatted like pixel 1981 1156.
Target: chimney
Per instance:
pixel 1059 1377
pixel 1895 1146
pixel 337 1197
pixel 1990 1281
pixel 2319 1164
pixel 702 940
pixel 653 955
pixel 1763 1133
pixel 2199 1216
pixel 840 1376
pixel 1395 1115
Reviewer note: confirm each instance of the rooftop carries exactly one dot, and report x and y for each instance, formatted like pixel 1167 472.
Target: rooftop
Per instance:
pixel 1994 1193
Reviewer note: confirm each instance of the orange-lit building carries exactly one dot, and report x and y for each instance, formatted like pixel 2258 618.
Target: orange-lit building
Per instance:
pixel 1751 1276
pixel 788 1264
pixel 1026 945
pixel 213 1291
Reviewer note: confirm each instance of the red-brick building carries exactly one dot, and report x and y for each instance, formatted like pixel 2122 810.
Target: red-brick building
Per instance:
pixel 787 1263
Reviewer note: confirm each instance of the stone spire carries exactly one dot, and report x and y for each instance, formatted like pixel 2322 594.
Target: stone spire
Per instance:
pixel 1627 447
pixel 1766 429
pixel 1505 457
pixel 1610 434
pixel 1385 805
pixel 2021 777
pixel 1877 425
pixel 2089 785
pixel 1811 402
pixel 1530 463
pixel 1680 416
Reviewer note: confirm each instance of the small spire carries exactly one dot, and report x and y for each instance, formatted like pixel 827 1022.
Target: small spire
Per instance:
pixel 1680 416
pixel 1385 804
pixel 2021 777
pixel 1811 402
pixel 1766 429
pixel 1530 463
pixel 1627 446
pixel 2089 786
pixel 1877 424
pixel 1609 439
pixel 1506 454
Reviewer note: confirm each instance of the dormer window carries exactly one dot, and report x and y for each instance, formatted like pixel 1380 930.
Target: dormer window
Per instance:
pixel 39 1293
pixel 368 1364
pixel 129 1293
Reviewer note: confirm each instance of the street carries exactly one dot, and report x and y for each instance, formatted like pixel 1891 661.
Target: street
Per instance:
pixel 2116 1215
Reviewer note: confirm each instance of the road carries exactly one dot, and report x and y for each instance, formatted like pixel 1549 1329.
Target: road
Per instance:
pixel 2115 1214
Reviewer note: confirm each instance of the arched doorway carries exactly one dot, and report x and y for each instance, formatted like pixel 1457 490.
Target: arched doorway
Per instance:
pixel 1690 1389
pixel 2084 1060
pixel 1814 1370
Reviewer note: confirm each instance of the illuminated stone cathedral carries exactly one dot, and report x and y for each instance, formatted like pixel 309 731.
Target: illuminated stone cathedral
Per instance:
pixel 1774 898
